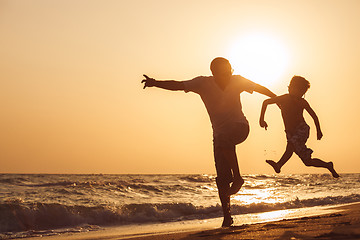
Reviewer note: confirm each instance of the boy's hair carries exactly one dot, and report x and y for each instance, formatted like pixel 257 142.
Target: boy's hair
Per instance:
pixel 300 83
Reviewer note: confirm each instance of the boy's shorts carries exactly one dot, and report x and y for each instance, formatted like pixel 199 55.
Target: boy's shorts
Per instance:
pixel 235 134
pixel 298 140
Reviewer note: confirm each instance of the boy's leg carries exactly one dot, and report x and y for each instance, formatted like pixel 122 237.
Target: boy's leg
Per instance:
pixel 332 170
pixel 305 155
pixel 285 157
pixel 300 148
pixel 315 162
pixel 298 141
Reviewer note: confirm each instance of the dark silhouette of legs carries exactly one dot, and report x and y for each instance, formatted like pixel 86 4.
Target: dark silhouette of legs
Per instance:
pixel 228 180
pixel 307 160
pixel 223 181
pixel 238 181
pixel 234 183
pixel 285 157
pixel 223 189
pixel 315 162
pixel 332 170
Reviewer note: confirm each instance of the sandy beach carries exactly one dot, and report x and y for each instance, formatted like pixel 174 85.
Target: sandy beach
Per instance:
pixel 342 222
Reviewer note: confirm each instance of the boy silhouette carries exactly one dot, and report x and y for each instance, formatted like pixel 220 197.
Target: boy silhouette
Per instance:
pixel 221 96
pixel 292 106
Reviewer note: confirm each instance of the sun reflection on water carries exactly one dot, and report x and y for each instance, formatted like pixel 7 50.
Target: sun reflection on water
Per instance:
pixel 254 196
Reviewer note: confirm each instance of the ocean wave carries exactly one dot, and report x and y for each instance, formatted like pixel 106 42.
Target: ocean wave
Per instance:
pixel 125 186
pixel 12 180
pixel 198 178
pixel 17 216
pixel 295 203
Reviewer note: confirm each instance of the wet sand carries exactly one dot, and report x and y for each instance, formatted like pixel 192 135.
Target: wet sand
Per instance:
pixel 343 224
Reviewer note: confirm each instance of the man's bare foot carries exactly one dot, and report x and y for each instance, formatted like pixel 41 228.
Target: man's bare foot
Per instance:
pixel 227 222
pixel 274 165
pixel 236 185
pixel 332 170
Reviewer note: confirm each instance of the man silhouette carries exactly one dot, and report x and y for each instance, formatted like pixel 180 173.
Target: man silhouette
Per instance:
pixel 221 96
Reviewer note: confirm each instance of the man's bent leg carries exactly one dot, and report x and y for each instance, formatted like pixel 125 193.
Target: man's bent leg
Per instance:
pixel 231 158
pixel 238 134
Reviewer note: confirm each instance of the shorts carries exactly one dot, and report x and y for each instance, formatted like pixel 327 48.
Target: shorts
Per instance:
pixel 298 141
pixel 235 134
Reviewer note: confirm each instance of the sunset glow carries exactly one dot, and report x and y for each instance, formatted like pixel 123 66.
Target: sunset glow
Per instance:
pixel 259 57
pixel 72 101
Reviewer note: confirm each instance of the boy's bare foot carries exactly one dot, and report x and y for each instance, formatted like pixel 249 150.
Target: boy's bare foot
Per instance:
pixel 332 170
pixel 274 165
pixel 236 185
pixel 227 222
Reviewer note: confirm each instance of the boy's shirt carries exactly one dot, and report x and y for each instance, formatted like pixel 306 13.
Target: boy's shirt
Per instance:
pixel 223 106
pixel 292 109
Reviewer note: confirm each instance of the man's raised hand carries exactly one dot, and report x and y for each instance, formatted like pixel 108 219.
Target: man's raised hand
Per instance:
pixel 148 82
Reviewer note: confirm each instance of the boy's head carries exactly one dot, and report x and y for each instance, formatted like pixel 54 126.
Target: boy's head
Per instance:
pixel 221 67
pixel 298 86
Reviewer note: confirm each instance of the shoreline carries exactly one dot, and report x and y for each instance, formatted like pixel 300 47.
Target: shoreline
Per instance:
pixel 329 222
pixel 342 223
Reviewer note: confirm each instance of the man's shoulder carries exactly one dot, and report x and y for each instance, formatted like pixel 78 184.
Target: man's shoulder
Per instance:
pixel 239 78
pixel 241 81
pixel 204 77
pixel 196 84
pixel 201 78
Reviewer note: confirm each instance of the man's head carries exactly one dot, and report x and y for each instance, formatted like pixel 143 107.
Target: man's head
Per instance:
pixel 299 86
pixel 221 67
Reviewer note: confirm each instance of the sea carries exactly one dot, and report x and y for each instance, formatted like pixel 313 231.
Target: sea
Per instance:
pixel 34 205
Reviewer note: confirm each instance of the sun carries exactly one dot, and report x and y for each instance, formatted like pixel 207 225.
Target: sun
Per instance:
pixel 259 57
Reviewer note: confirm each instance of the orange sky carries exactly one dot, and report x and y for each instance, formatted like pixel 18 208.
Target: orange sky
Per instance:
pixel 71 99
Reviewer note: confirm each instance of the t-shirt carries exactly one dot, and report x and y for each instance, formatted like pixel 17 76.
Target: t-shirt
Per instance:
pixel 223 106
pixel 292 109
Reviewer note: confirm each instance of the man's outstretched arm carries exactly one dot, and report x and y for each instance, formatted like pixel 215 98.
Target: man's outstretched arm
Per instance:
pixel 166 84
pixel 263 90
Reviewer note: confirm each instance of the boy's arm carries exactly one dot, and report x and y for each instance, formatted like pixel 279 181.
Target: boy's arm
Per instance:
pixel 315 118
pixel 167 84
pixel 262 122
pixel 263 90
